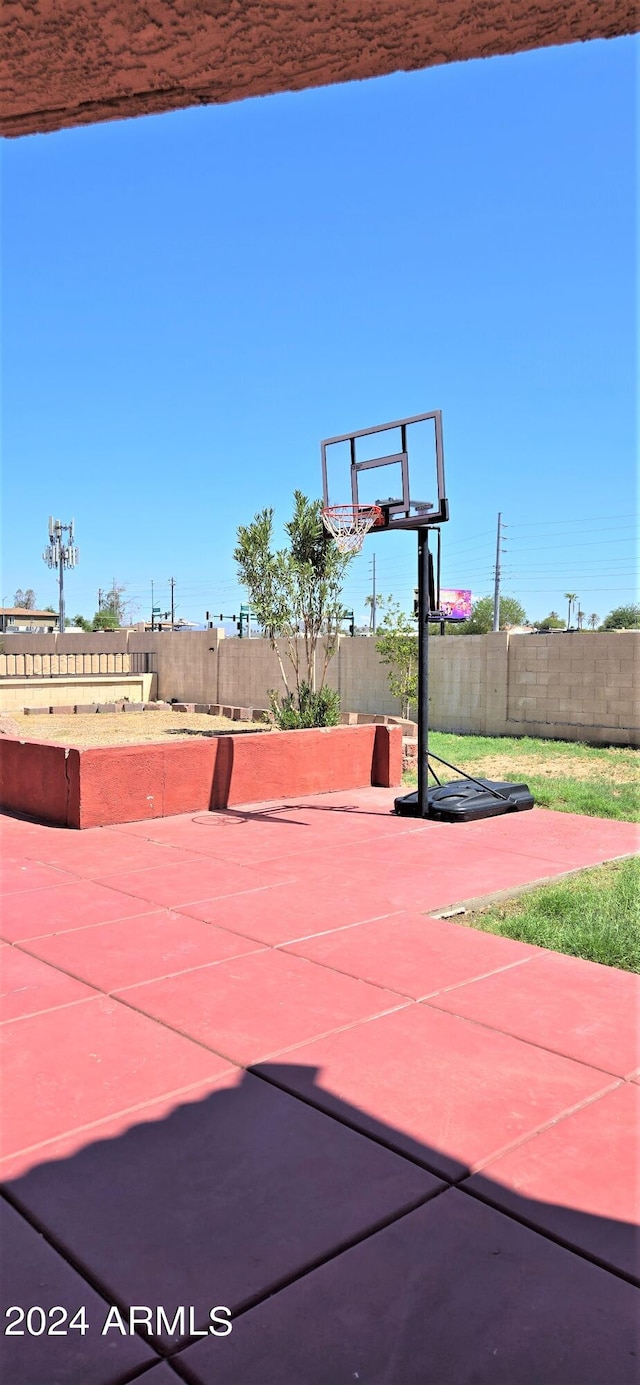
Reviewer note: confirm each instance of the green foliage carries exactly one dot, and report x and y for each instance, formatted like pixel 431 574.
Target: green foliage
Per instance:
pixel 295 591
pixel 551 622
pixel 623 618
pixel 82 624
pixel 105 620
pixel 397 645
pixel 594 915
pixel 480 621
pixel 311 707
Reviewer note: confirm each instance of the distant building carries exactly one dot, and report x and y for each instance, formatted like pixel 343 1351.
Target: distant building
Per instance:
pixel 14 620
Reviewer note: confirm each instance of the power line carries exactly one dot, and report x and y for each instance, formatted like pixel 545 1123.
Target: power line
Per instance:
pixel 578 519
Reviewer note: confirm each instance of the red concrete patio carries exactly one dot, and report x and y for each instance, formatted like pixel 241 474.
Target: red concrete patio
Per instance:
pixel 245 1066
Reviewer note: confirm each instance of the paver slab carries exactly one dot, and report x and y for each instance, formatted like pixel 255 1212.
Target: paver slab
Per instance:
pixel 19 874
pixel 413 954
pixel 198 878
pixel 35 1276
pixel 453 1292
pixel 451 1094
pixel 221 1201
pixel 568 838
pixel 129 951
pixel 78 904
pixel 149 1111
pixel 259 1004
pixel 581 1009
pixel 579 1180
pixel 422 876
pixel 98 852
pixel 281 913
pixel 66 1068
pixel 29 986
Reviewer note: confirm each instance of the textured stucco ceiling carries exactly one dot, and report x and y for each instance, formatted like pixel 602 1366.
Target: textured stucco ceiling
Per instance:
pixel 72 62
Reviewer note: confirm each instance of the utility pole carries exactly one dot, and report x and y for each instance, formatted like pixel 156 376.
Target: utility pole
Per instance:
pixel 372 618
pixel 172 583
pixel 496 588
pixel 60 555
pixel 100 595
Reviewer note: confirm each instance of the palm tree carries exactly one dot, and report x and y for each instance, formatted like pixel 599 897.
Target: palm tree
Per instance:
pixel 580 618
pixel 594 620
pixel 570 597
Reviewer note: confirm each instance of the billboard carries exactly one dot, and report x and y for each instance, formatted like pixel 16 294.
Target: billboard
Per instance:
pixel 455 604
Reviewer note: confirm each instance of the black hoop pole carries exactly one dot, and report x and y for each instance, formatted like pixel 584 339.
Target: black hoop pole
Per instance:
pixel 423 671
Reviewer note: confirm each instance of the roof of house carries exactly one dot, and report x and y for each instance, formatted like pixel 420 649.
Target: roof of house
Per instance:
pixel 23 611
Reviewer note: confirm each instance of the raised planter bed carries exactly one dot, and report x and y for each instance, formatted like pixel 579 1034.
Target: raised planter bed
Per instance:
pixel 96 787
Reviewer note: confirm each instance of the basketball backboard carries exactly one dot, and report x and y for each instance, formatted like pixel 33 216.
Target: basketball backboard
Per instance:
pixel 372 466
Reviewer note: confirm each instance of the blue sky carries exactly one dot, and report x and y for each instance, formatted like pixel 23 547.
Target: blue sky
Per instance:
pixel 193 301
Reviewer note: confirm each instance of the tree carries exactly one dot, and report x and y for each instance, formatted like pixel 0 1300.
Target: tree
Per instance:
pixel 105 620
pixel 25 600
pixel 623 618
pixel 550 622
pixel 480 621
pixel 382 602
pixel 594 620
pixel 397 646
pixel 114 601
pixel 82 624
pixel 570 597
pixel 295 592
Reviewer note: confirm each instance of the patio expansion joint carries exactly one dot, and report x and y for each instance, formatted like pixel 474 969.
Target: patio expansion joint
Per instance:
pixel 123 1111
pixel 549 1124
pixel 531 1043
pixel 110 1297
pixel 168 1352
pixel 254 1300
pixel 430 995
pixel 290 942
pixel 115 992
pixel 340 1119
pixel 183 903
pixel 547 1235
pixel 118 996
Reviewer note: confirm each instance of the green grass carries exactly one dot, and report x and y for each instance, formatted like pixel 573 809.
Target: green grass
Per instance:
pixel 596 781
pixel 595 915
pixel 592 798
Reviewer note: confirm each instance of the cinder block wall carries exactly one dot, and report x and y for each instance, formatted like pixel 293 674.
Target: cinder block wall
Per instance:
pixel 573 686
pixel 185 661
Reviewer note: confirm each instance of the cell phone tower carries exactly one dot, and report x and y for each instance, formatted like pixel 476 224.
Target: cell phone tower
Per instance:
pixel 60 555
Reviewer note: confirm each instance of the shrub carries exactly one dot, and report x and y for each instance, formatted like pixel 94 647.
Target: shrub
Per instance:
pixel 317 707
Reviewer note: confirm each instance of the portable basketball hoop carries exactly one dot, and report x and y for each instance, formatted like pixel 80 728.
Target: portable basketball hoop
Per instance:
pixel 350 524
pixel 464 799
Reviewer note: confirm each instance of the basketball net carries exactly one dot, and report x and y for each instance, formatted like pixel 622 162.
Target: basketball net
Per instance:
pixel 350 524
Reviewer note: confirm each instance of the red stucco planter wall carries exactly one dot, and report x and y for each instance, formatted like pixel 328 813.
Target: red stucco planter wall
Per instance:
pixel 96 787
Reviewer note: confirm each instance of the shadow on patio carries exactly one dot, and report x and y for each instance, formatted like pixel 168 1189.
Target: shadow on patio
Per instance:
pixel 343 1255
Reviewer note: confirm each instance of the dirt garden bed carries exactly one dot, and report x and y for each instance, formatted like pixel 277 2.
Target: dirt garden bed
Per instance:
pixel 118 728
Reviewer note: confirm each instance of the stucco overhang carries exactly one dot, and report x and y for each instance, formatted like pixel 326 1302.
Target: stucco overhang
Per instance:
pixel 80 61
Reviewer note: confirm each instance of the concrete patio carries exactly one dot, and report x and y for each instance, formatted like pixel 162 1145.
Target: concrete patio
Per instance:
pixel 243 1066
